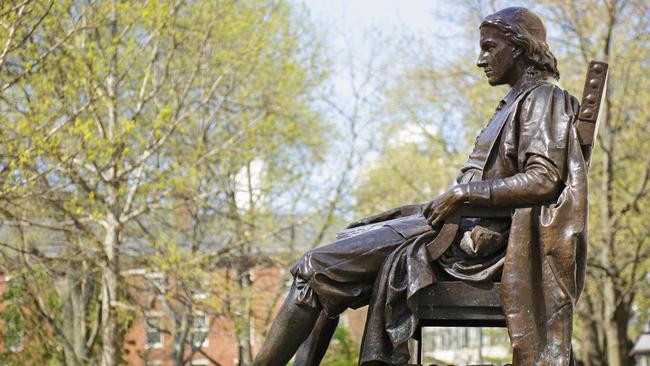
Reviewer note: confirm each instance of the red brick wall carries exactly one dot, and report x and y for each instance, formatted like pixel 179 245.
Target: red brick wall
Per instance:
pixel 222 344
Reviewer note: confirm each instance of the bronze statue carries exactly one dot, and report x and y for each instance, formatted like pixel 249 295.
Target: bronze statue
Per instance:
pixel 528 159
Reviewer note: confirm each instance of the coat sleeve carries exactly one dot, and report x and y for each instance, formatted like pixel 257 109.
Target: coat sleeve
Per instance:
pixel 543 123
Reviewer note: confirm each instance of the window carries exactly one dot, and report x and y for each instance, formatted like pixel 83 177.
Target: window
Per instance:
pixel 154 332
pixel 157 281
pixel 200 295
pixel 485 338
pixel 465 342
pixel 199 330
pixel 200 362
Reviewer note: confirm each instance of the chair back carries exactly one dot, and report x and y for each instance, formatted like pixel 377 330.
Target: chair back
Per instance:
pixel 591 106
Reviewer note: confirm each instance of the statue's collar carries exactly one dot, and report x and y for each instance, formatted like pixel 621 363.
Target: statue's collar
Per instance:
pixel 530 80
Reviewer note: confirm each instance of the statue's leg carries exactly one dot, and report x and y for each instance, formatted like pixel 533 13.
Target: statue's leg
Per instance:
pixel 313 349
pixel 290 328
pixel 330 279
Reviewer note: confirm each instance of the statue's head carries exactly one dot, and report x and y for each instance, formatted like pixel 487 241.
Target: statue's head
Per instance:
pixel 513 42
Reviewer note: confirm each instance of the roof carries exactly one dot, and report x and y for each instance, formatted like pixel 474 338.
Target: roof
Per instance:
pixel 642 346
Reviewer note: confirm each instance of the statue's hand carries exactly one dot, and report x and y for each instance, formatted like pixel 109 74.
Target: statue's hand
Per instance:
pixel 386 215
pixel 442 207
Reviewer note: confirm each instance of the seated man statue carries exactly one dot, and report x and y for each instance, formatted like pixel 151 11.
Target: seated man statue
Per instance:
pixel 527 159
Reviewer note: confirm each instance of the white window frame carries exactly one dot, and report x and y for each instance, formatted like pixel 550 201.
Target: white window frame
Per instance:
pixel 205 329
pixel 200 362
pixel 159 344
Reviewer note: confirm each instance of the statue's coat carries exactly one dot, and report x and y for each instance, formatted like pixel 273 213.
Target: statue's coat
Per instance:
pixel 544 270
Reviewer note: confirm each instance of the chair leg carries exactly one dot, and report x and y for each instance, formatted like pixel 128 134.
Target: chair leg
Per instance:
pixel 419 356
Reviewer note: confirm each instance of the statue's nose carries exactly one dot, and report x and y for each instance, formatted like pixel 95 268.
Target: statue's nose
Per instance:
pixel 482 61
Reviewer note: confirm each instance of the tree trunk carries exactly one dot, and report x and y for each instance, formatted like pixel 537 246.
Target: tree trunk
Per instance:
pixel 75 292
pixel 65 289
pixel 243 319
pixel 110 346
pixel 243 281
pixel 109 294
pixel 591 352
pixel 615 326
pixel 181 334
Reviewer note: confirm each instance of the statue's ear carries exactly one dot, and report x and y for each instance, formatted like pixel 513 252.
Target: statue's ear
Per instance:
pixel 517 51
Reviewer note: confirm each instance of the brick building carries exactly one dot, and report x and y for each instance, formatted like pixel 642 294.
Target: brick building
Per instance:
pixel 211 337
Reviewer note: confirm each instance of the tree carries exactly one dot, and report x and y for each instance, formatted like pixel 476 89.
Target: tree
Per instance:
pixel 616 32
pixel 23 22
pixel 426 124
pixel 24 25
pixel 123 120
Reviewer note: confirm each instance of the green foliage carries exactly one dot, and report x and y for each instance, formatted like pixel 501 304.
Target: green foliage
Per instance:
pixel 13 317
pixel 24 339
pixel 343 351
pixel 129 123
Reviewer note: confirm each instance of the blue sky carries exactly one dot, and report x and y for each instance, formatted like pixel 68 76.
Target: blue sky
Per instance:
pixel 356 31
pixel 349 15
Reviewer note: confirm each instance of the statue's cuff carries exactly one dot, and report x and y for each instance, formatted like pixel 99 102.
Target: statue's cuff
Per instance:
pixel 479 192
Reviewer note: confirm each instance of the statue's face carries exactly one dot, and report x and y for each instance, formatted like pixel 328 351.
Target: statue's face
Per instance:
pixel 497 57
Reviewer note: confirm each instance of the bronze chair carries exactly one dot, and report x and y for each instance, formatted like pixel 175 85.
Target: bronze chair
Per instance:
pixel 462 304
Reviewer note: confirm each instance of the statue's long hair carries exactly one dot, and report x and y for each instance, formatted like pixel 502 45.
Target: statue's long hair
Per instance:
pixel 526 30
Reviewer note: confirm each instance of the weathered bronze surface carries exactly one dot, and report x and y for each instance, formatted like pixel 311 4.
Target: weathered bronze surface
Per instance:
pixel 528 162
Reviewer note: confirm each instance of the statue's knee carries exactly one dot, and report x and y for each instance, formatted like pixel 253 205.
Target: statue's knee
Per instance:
pixel 304 266
pixel 306 257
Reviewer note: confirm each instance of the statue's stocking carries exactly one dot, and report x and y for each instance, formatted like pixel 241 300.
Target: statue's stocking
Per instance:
pixel 313 349
pixel 290 328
